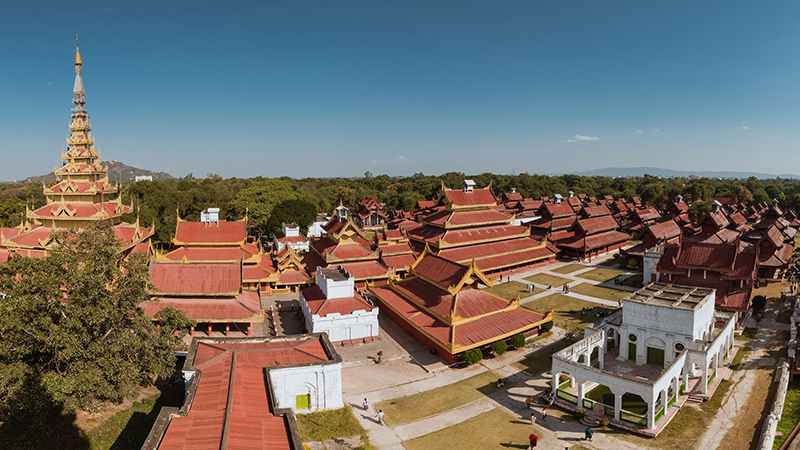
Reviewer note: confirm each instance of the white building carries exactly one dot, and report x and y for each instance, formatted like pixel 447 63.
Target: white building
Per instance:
pixel 662 343
pixel 335 307
pixel 143 178
pixel 247 390
pixel 316 229
pixel 290 235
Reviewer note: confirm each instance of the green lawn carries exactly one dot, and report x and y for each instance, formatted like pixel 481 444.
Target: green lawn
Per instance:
pixel 599 292
pixel 600 275
pixel 748 334
pixel 428 403
pixel 564 308
pixel 335 423
pixel 510 290
pixel 495 429
pixel 543 279
pixel 128 429
pixel 791 413
pixel 569 268
pixel 611 262
pixel 539 362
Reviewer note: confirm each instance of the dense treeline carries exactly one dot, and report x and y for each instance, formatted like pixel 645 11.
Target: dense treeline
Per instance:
pixel 268 201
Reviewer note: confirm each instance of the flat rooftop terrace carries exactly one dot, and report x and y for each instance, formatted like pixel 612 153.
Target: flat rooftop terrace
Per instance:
pixel 670 296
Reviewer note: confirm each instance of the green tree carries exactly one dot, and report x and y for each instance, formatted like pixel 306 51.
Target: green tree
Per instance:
pixel 260 196
pixel 72 333
pixel 653 195
pixel 698 211
pixel 701 189
pixel 742 194
pixel 300 212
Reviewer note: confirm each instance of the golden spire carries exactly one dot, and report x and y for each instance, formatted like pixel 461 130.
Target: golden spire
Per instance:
pixel 78 61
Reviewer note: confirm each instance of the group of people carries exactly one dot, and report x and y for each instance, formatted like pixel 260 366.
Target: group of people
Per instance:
pixel 565 288
pixel 378 416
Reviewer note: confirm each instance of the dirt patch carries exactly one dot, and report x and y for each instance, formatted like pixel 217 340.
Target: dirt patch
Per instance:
pixel 748 422
pixel 89 420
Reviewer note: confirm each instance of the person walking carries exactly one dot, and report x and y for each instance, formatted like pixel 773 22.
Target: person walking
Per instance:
pixel 533 419
pixel 588 433
pixel 544 413
pixel 365 405
pixel 533 439
pixel 528 401
pixel 380 417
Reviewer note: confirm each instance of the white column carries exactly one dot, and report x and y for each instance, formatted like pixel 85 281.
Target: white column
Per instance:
pixel 617 404
pixel 704 379
pixel 601 354
pixel 556 375
pixel 622 342
pixel 651 411
pixel 685 380
pixel 580 394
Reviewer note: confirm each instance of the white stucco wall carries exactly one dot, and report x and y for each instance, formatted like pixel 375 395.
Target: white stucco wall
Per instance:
pixel 322 383
pixel 358 325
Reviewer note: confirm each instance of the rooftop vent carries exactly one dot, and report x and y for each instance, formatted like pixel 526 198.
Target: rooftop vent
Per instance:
pixel 468 186
pixel 557 199
pixel 678 198
pixel 210 215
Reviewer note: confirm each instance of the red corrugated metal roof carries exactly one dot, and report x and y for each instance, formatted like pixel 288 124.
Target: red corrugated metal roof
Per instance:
pixel 322 306
pixel 664 230
pixel 365 269
pixel 490 327
pixel 440 270
pixel 293 277
pixel 595 211
pixel 350 251
pixel 208 279
pixel 595 241
pixel 466 253
pixel 243 306
pixel 485 233
pixel 9 232
pixel 209 253
pixel 557 210
pixel 596 225
pixel 221 232
pixel 398 261
pixel 474 303
pixel 32 237
pixel 706 256
pixel 647 214
pixel 474 198
pixel 391 249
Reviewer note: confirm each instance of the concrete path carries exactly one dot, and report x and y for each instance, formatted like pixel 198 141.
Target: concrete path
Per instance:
pixel 743 380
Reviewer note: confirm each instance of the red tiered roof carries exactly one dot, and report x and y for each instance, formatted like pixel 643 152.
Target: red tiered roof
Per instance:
pixel 243 306
pixel 201 279
pixel 664 230
pixel 365 269
pixel 477 197
pixel 597 225
pixel 240 408
pixel 440 270
pixel 466 218
pixel 322 306
pixel 212 253
pixel 221 232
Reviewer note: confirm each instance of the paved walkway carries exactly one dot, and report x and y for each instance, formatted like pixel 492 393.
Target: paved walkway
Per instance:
pixel 401 376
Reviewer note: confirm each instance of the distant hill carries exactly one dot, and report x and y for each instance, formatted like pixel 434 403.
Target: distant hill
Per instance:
pixel 657 172
pixel 116 171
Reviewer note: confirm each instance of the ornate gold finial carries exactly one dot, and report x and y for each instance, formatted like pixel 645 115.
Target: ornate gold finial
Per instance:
pixel 78 61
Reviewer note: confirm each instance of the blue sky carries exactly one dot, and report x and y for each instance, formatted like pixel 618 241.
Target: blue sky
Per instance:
pixel 307 88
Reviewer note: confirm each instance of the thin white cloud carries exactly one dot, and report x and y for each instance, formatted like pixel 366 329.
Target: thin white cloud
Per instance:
pixel 578 138
pixel 655 129
pixel 745 128
pixel 639 131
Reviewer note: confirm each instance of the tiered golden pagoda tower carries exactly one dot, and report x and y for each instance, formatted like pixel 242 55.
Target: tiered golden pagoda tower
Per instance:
pixel 82 195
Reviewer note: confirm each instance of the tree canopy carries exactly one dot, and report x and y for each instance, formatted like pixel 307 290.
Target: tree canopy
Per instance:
pixel 71 333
